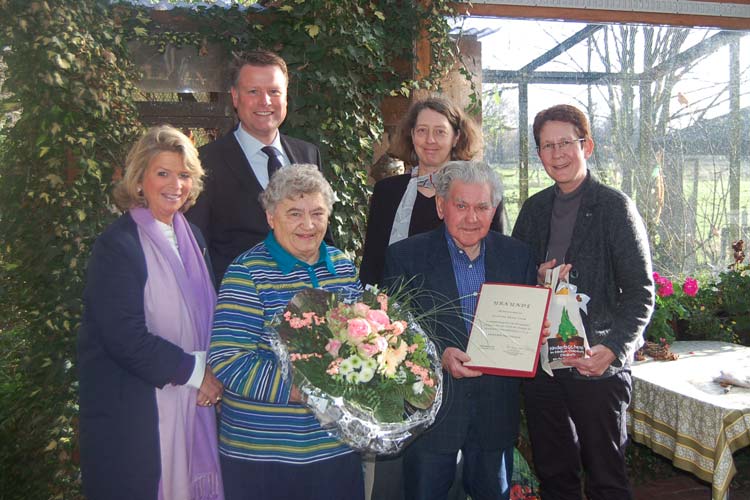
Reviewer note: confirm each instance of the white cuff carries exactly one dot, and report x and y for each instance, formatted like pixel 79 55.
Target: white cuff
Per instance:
pixel 196 379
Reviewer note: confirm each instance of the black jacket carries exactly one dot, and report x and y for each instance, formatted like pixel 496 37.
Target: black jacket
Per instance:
pixel 611 262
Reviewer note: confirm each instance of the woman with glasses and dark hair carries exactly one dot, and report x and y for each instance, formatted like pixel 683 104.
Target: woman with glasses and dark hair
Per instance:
pixel 576 415
pixel 433 132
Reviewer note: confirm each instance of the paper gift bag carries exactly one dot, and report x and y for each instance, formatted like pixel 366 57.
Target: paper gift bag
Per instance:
pixel 567 339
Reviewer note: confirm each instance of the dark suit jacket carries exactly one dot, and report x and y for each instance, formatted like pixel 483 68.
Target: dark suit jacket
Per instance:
pixel 426 259
pixel 384 202
pixel 120 363
pixel 228 212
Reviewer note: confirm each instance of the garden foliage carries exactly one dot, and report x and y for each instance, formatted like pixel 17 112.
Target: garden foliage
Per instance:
pixel 68 71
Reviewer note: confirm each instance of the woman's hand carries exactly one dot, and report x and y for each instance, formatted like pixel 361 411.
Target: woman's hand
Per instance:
pixel 295 396
pixel 453 361
pixel 551 264
pixel 211 389
pixel 600 357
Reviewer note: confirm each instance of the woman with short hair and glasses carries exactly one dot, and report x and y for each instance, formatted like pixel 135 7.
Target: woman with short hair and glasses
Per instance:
pixel 576 417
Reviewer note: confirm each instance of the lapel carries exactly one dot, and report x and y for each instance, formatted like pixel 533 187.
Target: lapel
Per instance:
pixel 584 219
pixel 291 152
pixel 439 273
pixel 494 272
pixel 236 162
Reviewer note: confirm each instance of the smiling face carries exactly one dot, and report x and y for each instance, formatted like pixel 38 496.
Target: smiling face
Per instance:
pixel 566 166
pixel 166 185
pixel 433 138
pixel 259 97
pixel 467 212
pixel 299 225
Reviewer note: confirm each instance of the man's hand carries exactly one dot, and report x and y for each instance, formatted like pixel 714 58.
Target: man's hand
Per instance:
pixel 453 362
pixel 600 359
pixel 551 264
pixel 210 390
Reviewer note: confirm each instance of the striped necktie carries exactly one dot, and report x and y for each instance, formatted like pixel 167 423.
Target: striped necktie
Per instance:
pixel 274 159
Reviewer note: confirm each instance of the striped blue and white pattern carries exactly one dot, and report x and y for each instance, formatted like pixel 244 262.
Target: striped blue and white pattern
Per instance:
pixel 257 422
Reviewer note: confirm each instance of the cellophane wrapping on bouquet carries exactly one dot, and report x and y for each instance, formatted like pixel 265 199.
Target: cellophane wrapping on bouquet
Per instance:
pixel 366 369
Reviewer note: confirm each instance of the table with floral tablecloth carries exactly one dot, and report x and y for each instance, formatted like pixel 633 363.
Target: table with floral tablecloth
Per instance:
pixel 678 411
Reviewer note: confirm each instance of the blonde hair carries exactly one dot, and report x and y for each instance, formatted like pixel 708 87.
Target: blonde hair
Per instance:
pixel 159 139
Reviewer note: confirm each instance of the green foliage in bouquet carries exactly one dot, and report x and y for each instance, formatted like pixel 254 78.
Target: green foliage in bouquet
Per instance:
pixel 360 352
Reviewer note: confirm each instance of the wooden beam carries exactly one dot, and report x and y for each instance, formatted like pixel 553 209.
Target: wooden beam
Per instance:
pixel 564 77
pixel 603 16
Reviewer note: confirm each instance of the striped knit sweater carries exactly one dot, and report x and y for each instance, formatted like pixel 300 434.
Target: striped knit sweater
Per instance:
pixel 257 421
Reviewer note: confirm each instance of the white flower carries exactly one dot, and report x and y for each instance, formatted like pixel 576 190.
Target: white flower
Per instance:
pixel 417 387
pixel 366 374
pixel 346 367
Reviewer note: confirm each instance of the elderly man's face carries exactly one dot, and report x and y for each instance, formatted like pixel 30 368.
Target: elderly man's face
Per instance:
pixel 299 225
pixel 467 212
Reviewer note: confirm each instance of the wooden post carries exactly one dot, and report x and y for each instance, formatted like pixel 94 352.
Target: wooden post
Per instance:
pixel 734 140
pixel 523 143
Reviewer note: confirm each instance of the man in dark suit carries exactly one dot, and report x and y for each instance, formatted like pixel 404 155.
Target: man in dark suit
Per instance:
pixel 445 268
pixel 239 164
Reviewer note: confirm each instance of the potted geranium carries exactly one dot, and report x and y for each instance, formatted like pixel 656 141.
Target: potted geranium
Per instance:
pixel 670 307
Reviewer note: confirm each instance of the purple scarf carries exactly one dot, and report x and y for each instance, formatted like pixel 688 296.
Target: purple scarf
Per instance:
pixel 179 301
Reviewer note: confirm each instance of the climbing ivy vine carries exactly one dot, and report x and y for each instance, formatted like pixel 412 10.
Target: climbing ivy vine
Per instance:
pixel 68 71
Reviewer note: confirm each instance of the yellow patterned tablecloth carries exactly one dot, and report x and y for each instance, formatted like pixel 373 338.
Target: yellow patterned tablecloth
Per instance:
pixel 678 411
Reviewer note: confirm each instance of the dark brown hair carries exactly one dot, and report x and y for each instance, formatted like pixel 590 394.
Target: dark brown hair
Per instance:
pixel 469 142
pixel 562 113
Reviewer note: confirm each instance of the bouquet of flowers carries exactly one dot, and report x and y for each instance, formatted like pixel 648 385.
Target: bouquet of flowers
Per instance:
pixel 366 369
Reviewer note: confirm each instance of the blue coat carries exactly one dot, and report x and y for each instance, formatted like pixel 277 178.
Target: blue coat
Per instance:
pixel 120 363
pixel 426 258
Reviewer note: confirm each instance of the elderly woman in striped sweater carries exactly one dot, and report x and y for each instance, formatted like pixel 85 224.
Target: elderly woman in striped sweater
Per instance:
pixel 270 445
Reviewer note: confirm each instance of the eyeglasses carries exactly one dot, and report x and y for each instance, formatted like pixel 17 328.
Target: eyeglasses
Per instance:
pixel 560 146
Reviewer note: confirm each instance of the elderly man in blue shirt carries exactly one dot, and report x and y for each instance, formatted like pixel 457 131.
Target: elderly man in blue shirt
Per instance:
pixel 445 269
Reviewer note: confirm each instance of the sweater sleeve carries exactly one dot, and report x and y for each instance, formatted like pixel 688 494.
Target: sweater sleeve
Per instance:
pixel 631 258
pixel 240 356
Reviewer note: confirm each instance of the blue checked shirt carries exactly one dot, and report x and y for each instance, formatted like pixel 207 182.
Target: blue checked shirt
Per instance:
pixel 469 278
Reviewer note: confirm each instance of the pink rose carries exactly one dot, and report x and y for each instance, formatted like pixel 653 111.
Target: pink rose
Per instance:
pixel 333 347
pixel 367 350
pixel 360 309
pixel 358 329
pixel 398 327
pixel 378 318
pixel 690 287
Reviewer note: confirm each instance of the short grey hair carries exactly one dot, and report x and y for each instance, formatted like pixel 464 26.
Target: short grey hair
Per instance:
pixel 293 181
pixel 469 172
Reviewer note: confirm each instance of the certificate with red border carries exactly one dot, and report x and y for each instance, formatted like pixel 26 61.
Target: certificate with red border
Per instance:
pixel 507 329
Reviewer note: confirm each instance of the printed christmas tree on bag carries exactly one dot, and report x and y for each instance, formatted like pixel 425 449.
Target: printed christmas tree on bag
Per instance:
pixel 566 331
